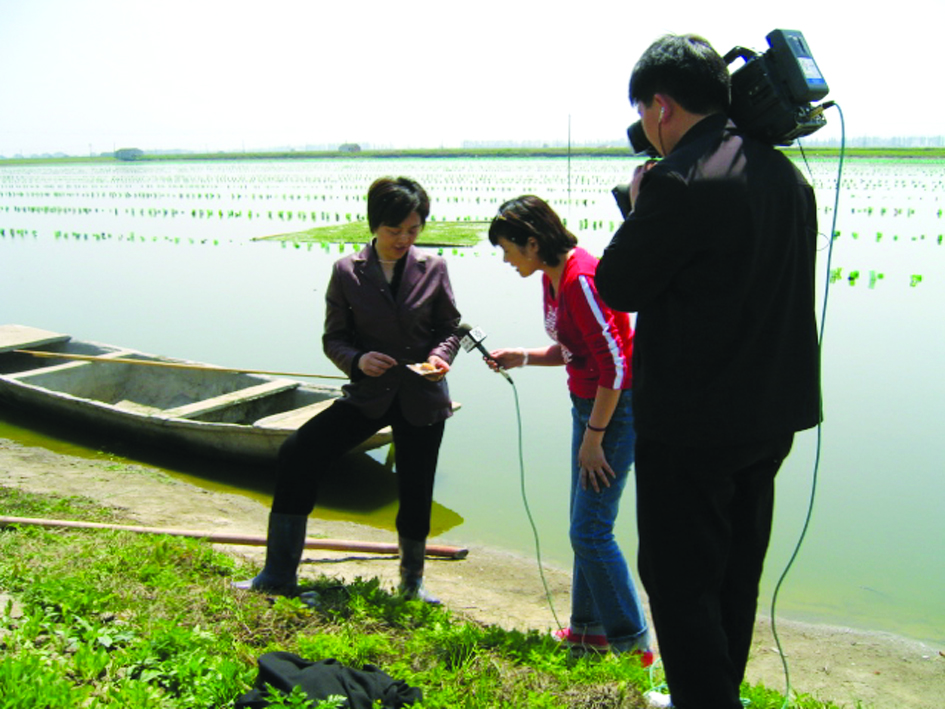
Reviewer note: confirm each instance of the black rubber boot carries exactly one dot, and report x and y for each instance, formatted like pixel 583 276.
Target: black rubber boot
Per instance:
pixel 284 544
pixel 411 570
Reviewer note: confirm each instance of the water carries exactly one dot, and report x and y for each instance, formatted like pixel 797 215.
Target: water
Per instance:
pixel 161 258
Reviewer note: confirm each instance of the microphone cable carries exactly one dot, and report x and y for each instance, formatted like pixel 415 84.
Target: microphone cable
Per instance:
pixel 528 512
pixel 820 345
pixel 471 338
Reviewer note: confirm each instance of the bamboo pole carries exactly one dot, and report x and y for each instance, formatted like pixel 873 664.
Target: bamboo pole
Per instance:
pixel 437 550
pixel 174 365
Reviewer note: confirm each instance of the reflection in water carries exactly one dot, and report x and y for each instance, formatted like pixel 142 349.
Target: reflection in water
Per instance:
pixel 360 487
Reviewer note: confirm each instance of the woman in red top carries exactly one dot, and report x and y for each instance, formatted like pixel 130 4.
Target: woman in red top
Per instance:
pixel 594 343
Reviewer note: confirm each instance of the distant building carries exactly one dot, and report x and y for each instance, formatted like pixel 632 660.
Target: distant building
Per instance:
pixel 349 148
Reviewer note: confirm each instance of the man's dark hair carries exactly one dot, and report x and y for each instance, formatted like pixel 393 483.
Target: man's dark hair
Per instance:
pixel 686 68
pixel 391 200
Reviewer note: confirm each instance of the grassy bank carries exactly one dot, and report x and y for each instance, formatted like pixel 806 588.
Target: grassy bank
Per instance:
pixel 114 619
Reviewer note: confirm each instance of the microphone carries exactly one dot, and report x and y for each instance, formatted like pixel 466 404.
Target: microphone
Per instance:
pixel 471 338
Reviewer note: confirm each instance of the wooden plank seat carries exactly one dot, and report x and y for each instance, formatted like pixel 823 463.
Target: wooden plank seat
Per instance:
pixel 119 353
pixel 26 374
pixel 206 406
pixel 23 337
pixel 135 408
pixel 294 418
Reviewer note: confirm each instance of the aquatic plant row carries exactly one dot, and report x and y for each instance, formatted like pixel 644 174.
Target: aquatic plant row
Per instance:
pixel 882 202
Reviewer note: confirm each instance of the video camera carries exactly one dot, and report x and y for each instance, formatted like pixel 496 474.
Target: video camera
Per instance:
pixel 772 95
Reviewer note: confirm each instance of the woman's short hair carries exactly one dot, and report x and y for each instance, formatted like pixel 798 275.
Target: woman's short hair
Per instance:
pixel 527 217
pixel 688 69
pixel 392 199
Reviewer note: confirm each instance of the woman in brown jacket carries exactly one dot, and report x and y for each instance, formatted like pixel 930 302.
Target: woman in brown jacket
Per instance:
pixel 387 306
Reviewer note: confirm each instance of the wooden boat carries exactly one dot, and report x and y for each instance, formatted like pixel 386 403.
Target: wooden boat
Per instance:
pixel 190 406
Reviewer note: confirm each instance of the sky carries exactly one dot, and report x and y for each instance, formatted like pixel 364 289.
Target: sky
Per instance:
pixel 90 76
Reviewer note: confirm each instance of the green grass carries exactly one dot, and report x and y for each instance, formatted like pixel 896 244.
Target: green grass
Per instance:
pixel 450 234
pixel 127 621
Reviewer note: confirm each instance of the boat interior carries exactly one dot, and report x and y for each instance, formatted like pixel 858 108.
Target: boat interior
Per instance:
pixel 183 390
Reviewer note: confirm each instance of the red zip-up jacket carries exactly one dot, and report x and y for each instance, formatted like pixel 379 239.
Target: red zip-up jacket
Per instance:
pixel 597 342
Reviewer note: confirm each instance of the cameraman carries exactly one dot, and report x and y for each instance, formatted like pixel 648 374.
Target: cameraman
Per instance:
pixel 717 260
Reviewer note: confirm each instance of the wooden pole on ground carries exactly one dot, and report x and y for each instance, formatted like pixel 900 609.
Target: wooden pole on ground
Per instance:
pixel 437 550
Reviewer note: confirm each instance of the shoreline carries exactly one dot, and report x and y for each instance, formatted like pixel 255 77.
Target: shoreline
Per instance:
pixel 842 665
pixel 617 150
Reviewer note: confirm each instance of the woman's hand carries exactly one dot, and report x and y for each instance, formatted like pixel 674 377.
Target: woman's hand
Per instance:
pixel 507 359
pixel 374 364
pixel 441 366
pixel 594 466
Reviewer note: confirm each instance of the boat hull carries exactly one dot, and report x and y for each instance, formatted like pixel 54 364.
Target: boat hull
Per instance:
pixel 187 406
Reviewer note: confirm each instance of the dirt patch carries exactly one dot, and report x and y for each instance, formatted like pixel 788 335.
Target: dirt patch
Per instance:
pixel 881 671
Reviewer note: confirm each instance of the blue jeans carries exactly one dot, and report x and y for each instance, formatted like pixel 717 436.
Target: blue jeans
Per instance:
pixel 604 599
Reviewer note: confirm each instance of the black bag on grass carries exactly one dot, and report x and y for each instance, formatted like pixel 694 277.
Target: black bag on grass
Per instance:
pixel 324 678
